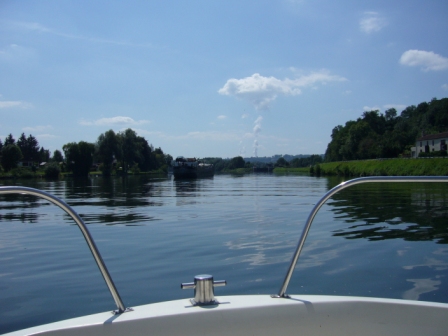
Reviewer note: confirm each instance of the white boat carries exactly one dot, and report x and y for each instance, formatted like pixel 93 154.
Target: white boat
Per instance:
pixel 280 314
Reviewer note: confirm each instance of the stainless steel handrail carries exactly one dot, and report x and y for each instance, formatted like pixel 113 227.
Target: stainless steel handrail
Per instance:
pixel 344 185
pixel 90 242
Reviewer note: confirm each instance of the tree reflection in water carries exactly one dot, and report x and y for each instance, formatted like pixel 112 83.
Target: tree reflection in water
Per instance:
pixel 380 211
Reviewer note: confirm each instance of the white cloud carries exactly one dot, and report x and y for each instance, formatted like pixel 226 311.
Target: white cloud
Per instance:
pixel 398 107
pixel 114 121
pixel 222 117
pixel 244 116
pixel 46 136
pixel 445 86
pixel 428 60
pixel 41 29
pixel 260 90
pixel 13 104
pixel 37 128
pixel 369 108
pixel 372 22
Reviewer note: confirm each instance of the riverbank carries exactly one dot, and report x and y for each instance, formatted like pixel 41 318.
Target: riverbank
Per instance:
pixel 291 170
pixel 24 173
pixel 385 167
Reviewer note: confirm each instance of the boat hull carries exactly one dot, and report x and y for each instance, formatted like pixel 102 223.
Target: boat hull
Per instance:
pixel 263 315
pixel 192 172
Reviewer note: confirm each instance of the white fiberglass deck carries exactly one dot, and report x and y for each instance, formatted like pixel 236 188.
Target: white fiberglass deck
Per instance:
pixel 263 315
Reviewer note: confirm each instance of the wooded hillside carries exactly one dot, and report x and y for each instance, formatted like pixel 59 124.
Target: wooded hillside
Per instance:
pixel 387 135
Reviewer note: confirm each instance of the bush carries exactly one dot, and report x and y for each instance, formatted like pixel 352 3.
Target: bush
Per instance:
pixel 433 154
pixel 318 170
pixel 52 171
pixel 135 168
pixel 106 169
pixel 21 172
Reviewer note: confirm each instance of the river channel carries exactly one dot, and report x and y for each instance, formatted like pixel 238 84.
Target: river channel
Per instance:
pixel 381 240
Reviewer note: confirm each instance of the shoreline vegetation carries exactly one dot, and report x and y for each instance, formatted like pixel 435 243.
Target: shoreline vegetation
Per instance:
pixel 384 167
pixel 374 167
pixel 353 151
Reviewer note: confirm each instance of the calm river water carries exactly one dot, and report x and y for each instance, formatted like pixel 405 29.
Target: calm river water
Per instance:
pixel 369 240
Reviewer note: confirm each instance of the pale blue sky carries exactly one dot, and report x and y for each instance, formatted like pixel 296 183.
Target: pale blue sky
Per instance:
pixel 215 78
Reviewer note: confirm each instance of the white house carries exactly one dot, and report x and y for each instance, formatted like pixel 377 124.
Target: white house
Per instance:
pixel 431 143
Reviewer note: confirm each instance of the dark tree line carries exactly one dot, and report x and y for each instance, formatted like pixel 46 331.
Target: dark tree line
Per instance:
pixel 124 151
pixel 222 165
pixel 299 162
pixel 387 135
pixel 25 149
pixel 121 151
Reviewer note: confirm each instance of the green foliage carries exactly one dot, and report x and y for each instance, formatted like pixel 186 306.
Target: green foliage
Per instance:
pixel 79 157
pixel 387 167
pixel 433 154
pixel 281 162
pixel 52 170
pixel 20 172
pixel 135 169
pixel 9 140
pixel 306 162
pixel 107 149
pixel 236 162
pixel 11 155
pixel 57 156
pixel 317 170
pixel 386 136
pixel 128 149
pixel 29 147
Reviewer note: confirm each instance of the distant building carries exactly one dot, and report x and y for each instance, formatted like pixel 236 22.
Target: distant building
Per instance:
pixel 431 143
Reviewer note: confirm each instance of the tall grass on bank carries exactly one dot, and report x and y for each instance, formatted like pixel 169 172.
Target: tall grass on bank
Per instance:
pixel 385 167
pixel 291 170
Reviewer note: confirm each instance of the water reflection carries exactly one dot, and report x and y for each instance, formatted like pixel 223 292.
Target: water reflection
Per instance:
pixel 382 241
pixel 393 211
pixel 421 286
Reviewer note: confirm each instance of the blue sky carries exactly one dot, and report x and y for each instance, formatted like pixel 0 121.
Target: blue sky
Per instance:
pixel 215 78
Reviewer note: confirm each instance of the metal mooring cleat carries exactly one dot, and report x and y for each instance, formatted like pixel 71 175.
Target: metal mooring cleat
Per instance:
pixel 203 289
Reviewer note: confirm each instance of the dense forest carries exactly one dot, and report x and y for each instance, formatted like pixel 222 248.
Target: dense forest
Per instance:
pixel 388 135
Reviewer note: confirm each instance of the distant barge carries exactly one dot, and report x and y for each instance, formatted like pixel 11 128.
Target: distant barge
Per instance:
pixel 184 168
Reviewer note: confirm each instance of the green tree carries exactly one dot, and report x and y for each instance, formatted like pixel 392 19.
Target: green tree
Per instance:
pixel 168 159
pixel 30 148
pixel 11 155
pixel 144 159
pixel 9 140
pixel 57 156
pixel 129 148
pixel 236 162
pixel 52 170
pixel 107 150
pixel 43 155
pixel 281 162
pixel 79 157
